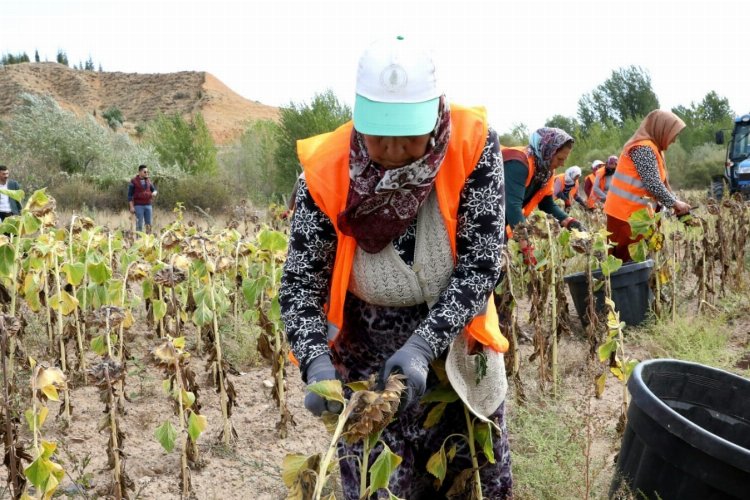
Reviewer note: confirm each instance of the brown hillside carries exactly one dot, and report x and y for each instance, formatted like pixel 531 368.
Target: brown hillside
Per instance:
pixel 139 96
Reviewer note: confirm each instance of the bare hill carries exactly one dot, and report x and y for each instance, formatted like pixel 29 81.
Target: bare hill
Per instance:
pixel 140 97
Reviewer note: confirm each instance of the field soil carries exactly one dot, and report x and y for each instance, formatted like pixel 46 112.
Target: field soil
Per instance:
pixel 251 468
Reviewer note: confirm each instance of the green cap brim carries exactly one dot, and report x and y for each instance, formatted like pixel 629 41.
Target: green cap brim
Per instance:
pixel 395 118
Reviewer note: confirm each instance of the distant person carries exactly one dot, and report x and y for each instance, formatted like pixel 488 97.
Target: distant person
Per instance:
pixel 565 187
pixel 8 206
pixel 140 193
pixel 588 183
pixel 602 182
pixel 641 178
pixel 529 172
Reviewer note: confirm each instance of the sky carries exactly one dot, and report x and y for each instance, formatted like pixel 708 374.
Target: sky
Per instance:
pixel 525 61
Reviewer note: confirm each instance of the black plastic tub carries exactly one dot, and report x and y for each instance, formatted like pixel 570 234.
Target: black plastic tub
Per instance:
pixel 687 435
pixel 630 291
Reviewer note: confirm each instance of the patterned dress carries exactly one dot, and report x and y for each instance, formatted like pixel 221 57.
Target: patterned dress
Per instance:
pixel 370 334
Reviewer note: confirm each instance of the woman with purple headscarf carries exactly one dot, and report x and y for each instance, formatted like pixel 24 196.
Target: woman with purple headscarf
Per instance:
pixel 529 172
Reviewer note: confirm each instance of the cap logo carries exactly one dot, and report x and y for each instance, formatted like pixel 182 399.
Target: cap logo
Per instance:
pixel 393 78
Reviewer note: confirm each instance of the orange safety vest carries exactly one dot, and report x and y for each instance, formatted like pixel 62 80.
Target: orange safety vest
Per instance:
pixel 544 191
pixel 325 161
pixel 627 194
pixel 590 179
pixel 599 188
pixel 559 186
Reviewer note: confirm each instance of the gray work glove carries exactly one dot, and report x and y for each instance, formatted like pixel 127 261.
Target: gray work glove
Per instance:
pixel 320 369
pixel 413 361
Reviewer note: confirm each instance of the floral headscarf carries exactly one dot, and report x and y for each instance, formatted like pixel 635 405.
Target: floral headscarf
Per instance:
pixel 543 144
pixel 381 204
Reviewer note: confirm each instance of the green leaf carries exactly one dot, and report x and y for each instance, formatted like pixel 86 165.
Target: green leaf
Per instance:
pixel 38 472
pixel 99 272
pixel 640 222
pixel 291 466
pixel 99 345
pixel 188 398
pixel 63 302
pixel 483 436
pixel 16 194
pixel 437 465
pixel 159 309
pixel 7 257
pixel 272 241
pixel 382 468
pixel 274 313
pixel 203 315
pixel 329 389
pixel 600 383
pixel 638 251
pixel 361 385
pixel 74 272
pixel 606 349
pixel 196 425
pixel 434 416
pixel 611 265
pixel 442 394
pixel 148 289
pixel 629 367
pixel 166 435
pixel 29 223
pixel 250 290
pixel 617 372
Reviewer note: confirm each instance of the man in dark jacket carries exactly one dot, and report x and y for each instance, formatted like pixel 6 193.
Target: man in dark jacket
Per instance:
pixel 8 206
pixel 140 193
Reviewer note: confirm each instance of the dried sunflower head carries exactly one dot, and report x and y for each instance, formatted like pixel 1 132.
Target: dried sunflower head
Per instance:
pixel 169 277
pixel 11 324
pixel 105 316
pixel 373 410
pixel 107 373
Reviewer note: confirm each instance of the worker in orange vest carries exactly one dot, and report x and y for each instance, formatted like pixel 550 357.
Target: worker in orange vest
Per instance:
pixel 395 247
pixel 640 180
pixel 529 172
pixel 588 183
pixel 601 184
pixel 565 187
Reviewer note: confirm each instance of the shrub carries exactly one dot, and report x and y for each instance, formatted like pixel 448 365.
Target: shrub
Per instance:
pixel 188 145
pixel 113 117
pixel 209 193
pixel 251 165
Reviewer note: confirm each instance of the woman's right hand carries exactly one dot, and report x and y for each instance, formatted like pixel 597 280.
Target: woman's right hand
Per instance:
pixel 680 208
pixel 318 370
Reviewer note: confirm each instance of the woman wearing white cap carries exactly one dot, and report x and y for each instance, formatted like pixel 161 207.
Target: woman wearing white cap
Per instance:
pixel 566 187
pixel 395 248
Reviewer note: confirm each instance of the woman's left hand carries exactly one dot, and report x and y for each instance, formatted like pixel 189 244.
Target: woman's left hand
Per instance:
pixel 413 361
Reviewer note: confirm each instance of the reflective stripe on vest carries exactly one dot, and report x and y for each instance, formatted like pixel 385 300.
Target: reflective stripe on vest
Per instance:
pixel 325 161
pixel 627 193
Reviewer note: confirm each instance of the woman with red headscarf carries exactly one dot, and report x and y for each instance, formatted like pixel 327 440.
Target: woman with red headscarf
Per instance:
pixel 640 179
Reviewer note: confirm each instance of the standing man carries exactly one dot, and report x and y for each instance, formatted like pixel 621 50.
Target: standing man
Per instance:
pixel 8 206
pixel 140 192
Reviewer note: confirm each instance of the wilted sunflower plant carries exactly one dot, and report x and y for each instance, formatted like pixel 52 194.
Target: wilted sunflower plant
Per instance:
pixel 364 416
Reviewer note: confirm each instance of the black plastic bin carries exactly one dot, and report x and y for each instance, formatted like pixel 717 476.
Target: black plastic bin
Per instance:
pixel 630 291
pixel 688 433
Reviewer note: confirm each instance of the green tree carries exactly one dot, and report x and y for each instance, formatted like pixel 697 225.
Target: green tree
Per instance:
pixel 89 66
pixel 36 56
pixel 627 93
pixel 517 136
pixel 14 59
pixel 251 165
pixel 186 144
pixel 299 121
pixel 62 57
pixel 568 124
pixel 703 119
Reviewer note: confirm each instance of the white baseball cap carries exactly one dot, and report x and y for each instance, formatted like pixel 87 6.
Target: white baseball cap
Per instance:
pixel 397 89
